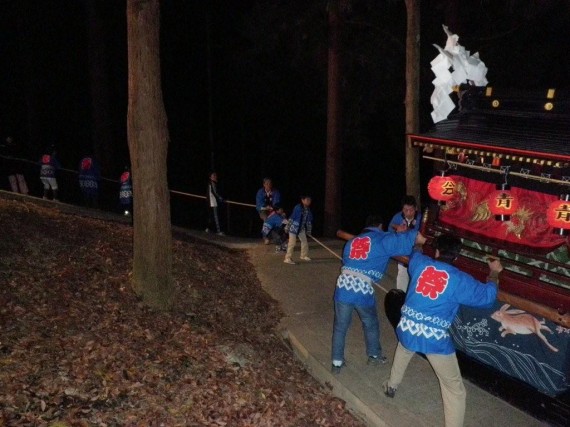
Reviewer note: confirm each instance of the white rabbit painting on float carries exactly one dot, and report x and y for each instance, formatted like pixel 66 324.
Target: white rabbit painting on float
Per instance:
pixel 517 321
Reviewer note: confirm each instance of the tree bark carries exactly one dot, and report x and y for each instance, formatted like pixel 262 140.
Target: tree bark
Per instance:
pixel 412 96
pixel 332 208
pixel 148 145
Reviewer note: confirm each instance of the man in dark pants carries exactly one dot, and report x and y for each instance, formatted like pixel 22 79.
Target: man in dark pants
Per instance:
pixel 365 259
pixel 214 201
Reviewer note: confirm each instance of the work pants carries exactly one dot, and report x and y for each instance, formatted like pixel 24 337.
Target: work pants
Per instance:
pixel 304 244
pixel 447 370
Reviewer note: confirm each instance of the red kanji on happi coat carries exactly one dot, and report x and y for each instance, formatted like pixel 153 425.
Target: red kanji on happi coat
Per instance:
pixel 360 248
pixel 432 282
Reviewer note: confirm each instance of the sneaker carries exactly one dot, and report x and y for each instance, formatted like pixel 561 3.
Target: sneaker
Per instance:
pixel 388 391
pixel 335 369
pixel 221 233
pixel 277 249
pixel 207 230
pixel 305 258
pixel 376 360
pixel 266 241
pixel 289 261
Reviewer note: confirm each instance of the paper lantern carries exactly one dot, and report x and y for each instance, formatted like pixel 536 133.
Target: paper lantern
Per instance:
pixel 441 188
pixel 558 215
pixel 502 203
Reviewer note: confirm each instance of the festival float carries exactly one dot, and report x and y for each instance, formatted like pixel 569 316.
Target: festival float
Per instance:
pixel 501 160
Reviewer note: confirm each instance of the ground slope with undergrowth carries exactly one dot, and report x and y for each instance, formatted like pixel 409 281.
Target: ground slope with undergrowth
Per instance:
pixel 77 348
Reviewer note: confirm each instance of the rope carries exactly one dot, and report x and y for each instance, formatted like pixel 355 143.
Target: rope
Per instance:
pixel 230 202
pixel 326 247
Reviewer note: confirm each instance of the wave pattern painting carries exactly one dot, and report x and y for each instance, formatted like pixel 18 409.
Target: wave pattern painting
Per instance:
pixel 540 361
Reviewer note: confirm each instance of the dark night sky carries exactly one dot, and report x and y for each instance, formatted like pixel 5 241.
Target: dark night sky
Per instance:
pixel 268 96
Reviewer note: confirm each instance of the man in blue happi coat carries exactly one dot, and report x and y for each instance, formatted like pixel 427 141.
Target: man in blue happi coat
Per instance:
pixel 365 259
pixel 436 290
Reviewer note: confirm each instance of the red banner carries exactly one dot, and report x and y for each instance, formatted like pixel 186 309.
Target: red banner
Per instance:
pixel 469 210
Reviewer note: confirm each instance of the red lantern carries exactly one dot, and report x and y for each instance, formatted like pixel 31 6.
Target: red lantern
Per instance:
pixel 502 203
pixel 441 188
pixel 558 215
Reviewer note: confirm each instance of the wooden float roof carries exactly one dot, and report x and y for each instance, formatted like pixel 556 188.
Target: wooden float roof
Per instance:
pixel 523 126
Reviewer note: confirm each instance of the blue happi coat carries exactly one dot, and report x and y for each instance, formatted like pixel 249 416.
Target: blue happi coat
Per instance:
pixel 264 199
pixel 435 292
pixel 89 175
pixel 301 219
pixel 126 189
pixel 48 166
pixel 399 219
pixel 365 259
pixel 273 222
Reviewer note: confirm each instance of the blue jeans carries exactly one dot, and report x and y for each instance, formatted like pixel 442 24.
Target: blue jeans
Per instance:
pixel 370 327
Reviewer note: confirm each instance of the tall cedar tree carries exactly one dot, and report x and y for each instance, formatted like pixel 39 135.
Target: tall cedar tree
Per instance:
pixel 334 143
pixel 148 145
pixel 412 95
pixel 102 144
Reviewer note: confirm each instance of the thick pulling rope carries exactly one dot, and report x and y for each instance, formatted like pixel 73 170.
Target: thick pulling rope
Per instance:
pixel 326 247
pixel 340 258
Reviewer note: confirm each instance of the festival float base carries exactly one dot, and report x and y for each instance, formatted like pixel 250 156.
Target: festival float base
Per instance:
pixel 519 349
pixel 553 410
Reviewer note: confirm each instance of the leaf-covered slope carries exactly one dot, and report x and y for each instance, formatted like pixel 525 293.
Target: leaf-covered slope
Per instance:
pixel 79 349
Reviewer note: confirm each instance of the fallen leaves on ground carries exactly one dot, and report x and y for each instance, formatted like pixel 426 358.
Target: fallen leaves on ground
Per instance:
pixel 78 348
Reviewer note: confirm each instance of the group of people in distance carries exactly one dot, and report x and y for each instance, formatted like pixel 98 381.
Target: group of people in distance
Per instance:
pixel 277 228
pixel 89 177
pixel 434 291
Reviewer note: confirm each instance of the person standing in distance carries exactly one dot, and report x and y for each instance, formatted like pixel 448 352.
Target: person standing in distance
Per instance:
pixel 49 166
pixel 126 192
pixel 408 218
pixel 214 200
pixel 437 289
pixel 300 225
pixel 89 177
pixel 266 198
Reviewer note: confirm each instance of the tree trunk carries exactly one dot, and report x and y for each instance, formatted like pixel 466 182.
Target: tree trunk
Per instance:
pixel 334 145
pixel 148 145
pixel 412 96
